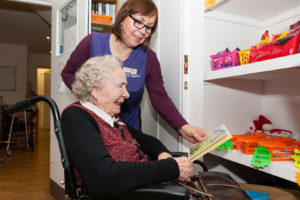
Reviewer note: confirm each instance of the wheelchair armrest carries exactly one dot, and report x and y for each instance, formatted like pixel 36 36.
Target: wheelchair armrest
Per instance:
pixel 158 192
pixel 179 154
pixel 199 162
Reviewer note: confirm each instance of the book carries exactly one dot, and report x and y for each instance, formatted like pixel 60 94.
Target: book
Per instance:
pixel 104 9
pixel 210 142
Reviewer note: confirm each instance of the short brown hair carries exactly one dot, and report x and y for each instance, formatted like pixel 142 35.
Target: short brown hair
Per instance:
pixel 131 7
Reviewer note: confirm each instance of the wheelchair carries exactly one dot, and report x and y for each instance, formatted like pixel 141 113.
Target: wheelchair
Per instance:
pixel 73 192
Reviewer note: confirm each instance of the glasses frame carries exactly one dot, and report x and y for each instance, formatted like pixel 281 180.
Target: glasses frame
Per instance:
pixel 148 29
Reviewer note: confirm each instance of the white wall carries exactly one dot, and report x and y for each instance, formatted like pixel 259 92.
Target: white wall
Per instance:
pixel 62 99
pixel 171 60
pixel 281 104
pixel 234 99
pixel 15 56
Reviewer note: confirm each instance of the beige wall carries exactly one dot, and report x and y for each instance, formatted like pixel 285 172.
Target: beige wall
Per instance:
pixel 34 61
pixel 15 56
pixel 26 63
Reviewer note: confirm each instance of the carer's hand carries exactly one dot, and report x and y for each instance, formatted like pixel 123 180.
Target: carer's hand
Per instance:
pixel 192 133
pixel 186 169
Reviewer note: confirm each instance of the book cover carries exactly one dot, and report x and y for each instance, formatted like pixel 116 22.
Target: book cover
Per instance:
pixel 104 9
pixel 111 12
pixel 99 8
pixel 210 142
pixel 107 9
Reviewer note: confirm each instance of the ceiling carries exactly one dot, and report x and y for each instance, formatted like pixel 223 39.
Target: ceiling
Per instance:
pixel 26 24
pixel 257 9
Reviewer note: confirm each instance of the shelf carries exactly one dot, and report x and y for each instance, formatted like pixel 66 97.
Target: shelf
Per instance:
pixel 101 24
pixel 277 68
pixel 282 169
pixel 101 28
pixel 106 1
pixel 216 5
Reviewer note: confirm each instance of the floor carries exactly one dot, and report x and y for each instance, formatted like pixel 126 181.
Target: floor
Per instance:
pixel 273 192
pixel 25 174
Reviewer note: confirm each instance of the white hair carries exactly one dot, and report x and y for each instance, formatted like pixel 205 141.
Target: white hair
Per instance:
pixel 92 74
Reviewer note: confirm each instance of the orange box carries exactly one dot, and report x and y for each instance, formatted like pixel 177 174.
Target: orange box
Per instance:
pixel 249 145
pixel 280 150
pixel 249 135
pixel 101 19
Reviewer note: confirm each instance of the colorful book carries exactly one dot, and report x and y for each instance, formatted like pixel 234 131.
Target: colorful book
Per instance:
pixel 210 142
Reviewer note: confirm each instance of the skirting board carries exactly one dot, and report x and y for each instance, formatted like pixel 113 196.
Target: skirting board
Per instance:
pixel 56 191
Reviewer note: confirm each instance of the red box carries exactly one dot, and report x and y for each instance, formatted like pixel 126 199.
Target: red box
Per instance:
pixel 274 49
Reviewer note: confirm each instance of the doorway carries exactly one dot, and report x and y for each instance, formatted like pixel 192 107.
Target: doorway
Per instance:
pixel 43 88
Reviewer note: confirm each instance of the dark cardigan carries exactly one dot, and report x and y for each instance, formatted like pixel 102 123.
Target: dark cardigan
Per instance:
pixel 102 176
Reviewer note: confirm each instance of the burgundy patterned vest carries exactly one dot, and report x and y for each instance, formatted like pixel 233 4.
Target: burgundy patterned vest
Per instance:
pixel 118 141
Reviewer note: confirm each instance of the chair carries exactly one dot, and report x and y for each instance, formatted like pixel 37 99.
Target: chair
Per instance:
pixel 157 192
pixel 32 123
pixel 21 125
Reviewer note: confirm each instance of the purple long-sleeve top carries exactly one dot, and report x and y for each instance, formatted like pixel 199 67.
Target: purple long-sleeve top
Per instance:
pixel 153 80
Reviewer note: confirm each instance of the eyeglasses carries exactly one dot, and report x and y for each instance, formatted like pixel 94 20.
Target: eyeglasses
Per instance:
pixel 140 25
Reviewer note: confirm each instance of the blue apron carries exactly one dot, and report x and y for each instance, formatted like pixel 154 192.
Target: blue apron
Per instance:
pixel 134 67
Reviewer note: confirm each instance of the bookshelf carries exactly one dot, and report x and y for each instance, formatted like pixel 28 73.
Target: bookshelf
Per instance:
pixel 102 15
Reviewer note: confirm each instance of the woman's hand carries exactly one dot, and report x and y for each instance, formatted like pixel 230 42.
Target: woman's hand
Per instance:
pixel 192 133
pixel 164 155
pixel 185 168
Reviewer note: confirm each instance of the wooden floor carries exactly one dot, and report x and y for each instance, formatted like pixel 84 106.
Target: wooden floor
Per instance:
pixel 25 174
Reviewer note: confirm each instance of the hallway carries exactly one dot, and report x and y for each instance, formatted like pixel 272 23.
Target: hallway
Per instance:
pixel 25 175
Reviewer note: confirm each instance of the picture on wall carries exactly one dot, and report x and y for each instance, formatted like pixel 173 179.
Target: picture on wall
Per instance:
pixel 8 78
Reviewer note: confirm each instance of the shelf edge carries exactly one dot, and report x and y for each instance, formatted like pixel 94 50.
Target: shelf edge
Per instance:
pixel 282 169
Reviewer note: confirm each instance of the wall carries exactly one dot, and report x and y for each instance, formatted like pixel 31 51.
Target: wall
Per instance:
pixel 281 104
pixel 34 61
pixel 15 55
pixel 26 63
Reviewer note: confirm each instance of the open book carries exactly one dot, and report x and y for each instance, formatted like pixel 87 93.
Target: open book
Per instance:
pixel 210 142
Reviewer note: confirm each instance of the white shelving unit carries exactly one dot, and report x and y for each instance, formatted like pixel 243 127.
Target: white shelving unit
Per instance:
pixel 283 67
pixel 282 169
pixel 237 95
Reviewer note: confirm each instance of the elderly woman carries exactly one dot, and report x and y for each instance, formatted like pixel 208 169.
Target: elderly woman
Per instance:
pixel 110 157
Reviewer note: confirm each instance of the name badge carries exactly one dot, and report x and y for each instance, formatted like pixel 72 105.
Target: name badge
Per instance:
pixel 130 70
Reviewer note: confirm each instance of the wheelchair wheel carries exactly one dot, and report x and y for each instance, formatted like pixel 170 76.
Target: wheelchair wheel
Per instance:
pixel 8 153
pixel 2 160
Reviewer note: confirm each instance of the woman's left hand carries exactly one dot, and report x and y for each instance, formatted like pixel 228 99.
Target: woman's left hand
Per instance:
pixel 192 133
